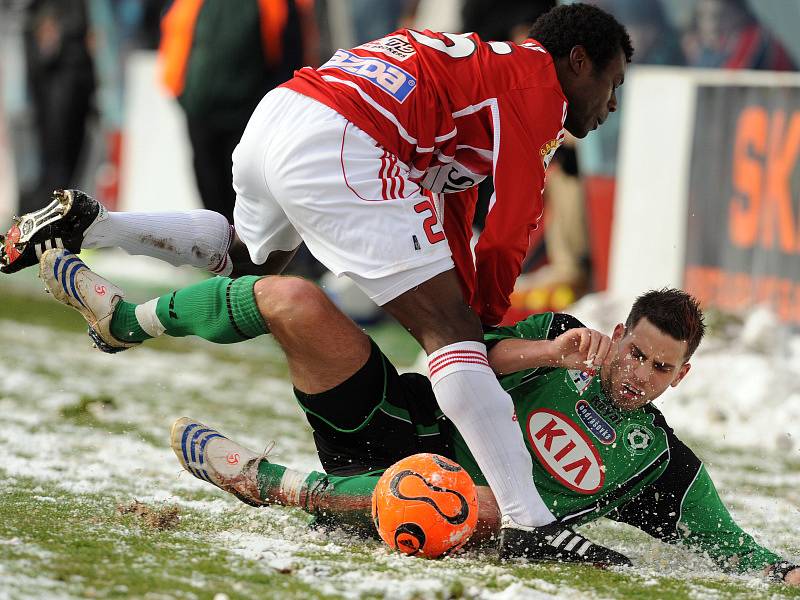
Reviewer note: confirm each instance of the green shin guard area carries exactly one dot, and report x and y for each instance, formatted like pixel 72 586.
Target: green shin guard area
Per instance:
pixel 220 310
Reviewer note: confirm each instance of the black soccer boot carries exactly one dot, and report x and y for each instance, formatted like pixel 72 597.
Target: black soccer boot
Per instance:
pixel 60 224
pixel 554 543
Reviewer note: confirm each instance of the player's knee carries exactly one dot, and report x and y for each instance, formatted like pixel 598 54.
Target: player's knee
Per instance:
pixel 282 299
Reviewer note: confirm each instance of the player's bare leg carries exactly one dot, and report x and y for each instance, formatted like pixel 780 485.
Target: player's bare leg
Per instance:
pixel 323 346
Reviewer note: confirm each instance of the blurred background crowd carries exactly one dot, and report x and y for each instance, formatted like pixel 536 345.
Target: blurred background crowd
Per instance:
pixel 63 96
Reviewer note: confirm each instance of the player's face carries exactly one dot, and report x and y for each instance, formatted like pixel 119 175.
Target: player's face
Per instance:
pixel 592 93
pixel 646 362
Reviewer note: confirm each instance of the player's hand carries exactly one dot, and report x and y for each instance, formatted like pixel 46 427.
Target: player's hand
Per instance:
pixel 783 571
pixel 582 348
pixel 792 577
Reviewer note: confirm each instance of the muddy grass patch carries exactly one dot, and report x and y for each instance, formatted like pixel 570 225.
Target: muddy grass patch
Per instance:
pixel 161 518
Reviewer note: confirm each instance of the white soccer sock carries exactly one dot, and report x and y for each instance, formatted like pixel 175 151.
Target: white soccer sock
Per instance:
pixel 471 397
pixel 199 238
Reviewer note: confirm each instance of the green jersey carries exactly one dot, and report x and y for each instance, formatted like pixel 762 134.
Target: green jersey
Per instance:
pixel 591 459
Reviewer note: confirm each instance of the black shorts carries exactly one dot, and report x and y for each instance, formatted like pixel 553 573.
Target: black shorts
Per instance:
pixel 375 418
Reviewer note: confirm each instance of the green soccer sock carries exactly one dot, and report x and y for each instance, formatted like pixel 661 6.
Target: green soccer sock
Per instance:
pixel 343 501
pixel 124 324
pixel 220 310
pixel 269 480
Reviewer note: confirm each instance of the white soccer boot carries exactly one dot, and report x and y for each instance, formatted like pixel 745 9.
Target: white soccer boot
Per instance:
pixel 73 283
pixel 212 457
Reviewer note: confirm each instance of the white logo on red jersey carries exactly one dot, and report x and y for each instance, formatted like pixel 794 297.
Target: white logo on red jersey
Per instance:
pixel 565 450
pixel 396 46
pixel 533 46
pixel 449 178
pixel 388 77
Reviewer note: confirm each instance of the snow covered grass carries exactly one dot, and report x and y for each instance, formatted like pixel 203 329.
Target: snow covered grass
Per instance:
pixel 84 433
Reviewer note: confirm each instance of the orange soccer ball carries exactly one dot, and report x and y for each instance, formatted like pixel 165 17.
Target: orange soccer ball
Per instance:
pixel 426 505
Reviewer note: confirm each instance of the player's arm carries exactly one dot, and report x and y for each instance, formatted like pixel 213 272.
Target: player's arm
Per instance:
pixel 563 342
pixel 706 526
pixel 683 507
pixel 528 123
pixel 581 348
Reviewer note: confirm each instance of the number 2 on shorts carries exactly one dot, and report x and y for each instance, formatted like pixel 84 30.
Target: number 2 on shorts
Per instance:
pixel 430 222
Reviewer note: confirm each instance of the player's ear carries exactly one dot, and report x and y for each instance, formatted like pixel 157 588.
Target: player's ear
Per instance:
pixel 619 333
pixel 579 61
pixel 681 374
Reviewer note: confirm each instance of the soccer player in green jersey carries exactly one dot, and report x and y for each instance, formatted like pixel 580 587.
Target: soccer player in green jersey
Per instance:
pixel 581 398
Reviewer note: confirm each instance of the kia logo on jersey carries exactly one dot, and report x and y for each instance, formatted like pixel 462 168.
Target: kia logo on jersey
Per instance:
pixel 390 78
pixel 565 451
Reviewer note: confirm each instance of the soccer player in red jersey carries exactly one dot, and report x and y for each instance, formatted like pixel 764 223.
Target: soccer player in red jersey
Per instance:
pixel 371 160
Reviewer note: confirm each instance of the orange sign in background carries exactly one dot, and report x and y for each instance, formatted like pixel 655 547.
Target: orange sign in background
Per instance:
pixel 743 242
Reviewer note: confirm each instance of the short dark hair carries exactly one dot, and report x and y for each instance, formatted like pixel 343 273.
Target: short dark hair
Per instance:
pixel 562 28
pixel 673 312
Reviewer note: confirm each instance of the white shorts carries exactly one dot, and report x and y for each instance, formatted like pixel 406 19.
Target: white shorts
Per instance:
pixel 304 173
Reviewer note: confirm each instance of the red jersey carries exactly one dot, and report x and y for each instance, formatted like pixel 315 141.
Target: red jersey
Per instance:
pixel 455 109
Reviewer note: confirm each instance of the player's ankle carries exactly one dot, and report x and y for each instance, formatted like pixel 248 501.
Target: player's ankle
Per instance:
pixel 507 521
pixel 125 326
pixel 269 477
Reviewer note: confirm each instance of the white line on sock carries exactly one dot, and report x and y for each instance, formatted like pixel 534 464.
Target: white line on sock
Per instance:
pixel 292 484
pixel 148 320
